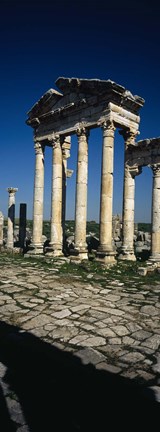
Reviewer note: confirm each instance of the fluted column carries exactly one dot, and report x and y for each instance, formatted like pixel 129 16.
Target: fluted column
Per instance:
pixel 55 245
pixel 155 239
pixel 81 195
pixel 11 215
pixel 105 251
pixel 127 249
pixel 36 246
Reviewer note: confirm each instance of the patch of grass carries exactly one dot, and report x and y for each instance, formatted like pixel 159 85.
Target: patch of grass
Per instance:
pixel 124 272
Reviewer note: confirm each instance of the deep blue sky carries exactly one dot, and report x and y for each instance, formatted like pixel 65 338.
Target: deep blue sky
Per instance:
pixel 42 40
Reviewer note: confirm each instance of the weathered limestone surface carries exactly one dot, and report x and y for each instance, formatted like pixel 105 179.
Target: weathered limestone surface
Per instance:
pixel 105 249
pixel 66 145
pixel 93 100
pixel 55 246
pixel 1 228
pixel 155 241
pixel 81 194
pixel 37 244
pixel 11 216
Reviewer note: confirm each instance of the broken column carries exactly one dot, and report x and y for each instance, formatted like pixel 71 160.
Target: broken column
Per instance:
pixel 81 195
pixel 11 216
pixel 105 251
pixel 55 244
pixel 1 228
pixel 36 246
pixel 22 225
pixel 155 236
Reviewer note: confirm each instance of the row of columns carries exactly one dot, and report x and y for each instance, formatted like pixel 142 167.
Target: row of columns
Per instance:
pixel 106 251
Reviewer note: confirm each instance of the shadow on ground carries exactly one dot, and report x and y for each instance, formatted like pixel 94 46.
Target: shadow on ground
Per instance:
pixel 58 393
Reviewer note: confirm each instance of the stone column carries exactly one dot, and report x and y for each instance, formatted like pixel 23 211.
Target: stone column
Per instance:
pixel 55 245
pixel 66 145
pixel 11 216
pixel 127 249
pixel 1 228
pixel 105 252
pixel 155 239
pixel 36 246
pixel 81 195
pixel 22 225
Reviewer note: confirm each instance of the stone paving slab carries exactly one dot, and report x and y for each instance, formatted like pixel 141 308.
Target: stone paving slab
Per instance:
pixel 115 329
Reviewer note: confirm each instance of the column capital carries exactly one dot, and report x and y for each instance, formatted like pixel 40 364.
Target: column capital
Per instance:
pixel 39 148
pixel 132 171
pixel 81 132
pixel 12 190
pixel 56 143
pixel 129 136
pixel 156 170
pixel 108 128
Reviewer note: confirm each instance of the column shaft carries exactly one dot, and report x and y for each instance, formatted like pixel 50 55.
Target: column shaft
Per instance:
pixel 1 228
pixel 11 216
pixel 155 241
pixel 64 182
pixel 81 195
pixel 55 245
pixel 66 146
pixel 37 244
pixel 105 250
pixel 127 250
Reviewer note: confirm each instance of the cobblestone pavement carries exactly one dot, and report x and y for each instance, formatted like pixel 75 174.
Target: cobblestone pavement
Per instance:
pixel 100 322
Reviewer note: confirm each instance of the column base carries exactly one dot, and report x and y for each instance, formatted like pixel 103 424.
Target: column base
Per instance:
pixel 154 259
pixel 9 247
pixel 78 254
pixel 126 255
pixel 53 250
pixel 35 249
pixel 106 257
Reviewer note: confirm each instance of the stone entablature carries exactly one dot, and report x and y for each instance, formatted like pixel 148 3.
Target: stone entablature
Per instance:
pixel 84 103
pixel 143 153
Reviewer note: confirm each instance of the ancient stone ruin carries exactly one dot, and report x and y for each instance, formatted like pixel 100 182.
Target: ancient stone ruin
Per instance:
pixel 79 106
